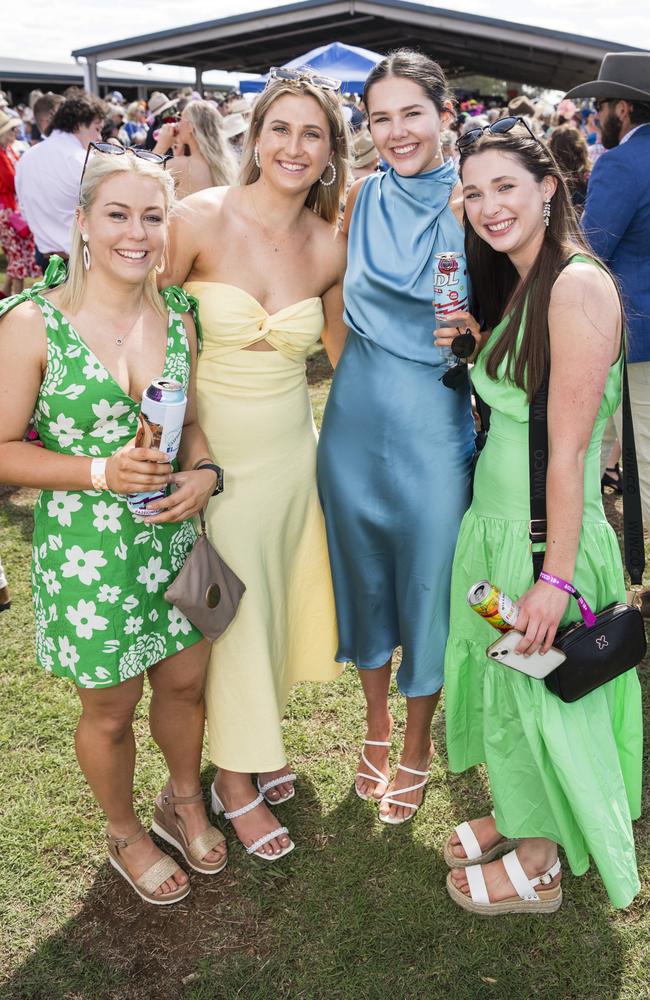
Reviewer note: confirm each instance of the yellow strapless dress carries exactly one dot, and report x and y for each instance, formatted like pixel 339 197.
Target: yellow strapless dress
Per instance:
pixel 268 525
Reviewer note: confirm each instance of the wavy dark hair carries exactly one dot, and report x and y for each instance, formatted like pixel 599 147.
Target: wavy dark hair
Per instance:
pixel 495 280
pixel 81 109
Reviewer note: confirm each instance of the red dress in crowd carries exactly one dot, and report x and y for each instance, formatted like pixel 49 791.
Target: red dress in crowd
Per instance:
pixel 19 250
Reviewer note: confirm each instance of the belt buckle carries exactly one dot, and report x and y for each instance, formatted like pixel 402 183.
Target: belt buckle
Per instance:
pixel 536 531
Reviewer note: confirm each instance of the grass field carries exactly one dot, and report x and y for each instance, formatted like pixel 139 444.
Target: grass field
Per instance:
pixel 358 912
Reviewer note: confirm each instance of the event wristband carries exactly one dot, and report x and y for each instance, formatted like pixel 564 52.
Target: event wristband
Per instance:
pixel 588 616
pixel 98 473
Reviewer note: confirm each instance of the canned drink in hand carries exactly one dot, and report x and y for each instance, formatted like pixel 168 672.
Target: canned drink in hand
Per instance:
pixel 160 425
pixel 450 292
pixel 498 610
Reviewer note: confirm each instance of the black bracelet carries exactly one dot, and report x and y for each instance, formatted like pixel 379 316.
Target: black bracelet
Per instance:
pixel 213 468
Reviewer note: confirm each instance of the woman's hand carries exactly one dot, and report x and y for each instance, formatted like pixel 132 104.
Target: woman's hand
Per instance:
pixel 194 490
pixel 444 335
pixel 137 470
pixel 540 611
pixel 166 136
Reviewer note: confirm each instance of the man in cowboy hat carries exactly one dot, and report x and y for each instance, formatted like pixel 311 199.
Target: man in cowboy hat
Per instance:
pixel 616 222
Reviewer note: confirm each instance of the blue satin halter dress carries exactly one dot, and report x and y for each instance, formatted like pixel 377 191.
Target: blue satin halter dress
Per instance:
pixel 396 445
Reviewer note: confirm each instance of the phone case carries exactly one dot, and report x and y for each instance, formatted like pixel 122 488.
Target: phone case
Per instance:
pixel 537 666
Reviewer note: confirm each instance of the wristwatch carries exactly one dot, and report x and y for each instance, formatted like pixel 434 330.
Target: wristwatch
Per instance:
pixel 215 468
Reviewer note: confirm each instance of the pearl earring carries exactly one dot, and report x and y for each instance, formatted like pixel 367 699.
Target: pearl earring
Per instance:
pixel 86 251
pixel 256 157
pixel 333 178
pixel 546 213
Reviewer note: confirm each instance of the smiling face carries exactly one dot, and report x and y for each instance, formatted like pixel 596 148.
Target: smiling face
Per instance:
pixel 294 143
pixel 504 202
pixel 405 125
pixel 126 226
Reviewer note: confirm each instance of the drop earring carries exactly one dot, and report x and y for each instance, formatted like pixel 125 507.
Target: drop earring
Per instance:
pixel 256 157
pixel 333 178
pixel 160 266
pixel 86 251
pixel 546 213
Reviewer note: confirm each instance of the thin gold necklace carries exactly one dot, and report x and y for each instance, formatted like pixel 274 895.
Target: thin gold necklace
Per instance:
pixel 265 231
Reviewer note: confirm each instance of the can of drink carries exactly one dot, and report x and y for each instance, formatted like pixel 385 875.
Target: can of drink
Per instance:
pixel 493 605
pixel 160 425
pixel 450 291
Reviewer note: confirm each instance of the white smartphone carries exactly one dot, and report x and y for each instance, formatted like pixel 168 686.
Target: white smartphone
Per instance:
pixel 503 651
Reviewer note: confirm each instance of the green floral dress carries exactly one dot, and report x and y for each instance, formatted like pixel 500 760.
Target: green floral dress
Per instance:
pixel 99 573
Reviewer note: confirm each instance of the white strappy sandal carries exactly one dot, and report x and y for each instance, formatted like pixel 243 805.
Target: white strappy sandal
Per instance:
pixel 528 899
pixel 392 820
pixel 473 853
pixel 218 808
pixel 378 777
pixel 287 779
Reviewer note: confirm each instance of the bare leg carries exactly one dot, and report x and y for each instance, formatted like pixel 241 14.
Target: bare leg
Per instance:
pixel 417 753
pixel 536 855
pixel 106 753
pixel 379 726
pixel 176 720
pixel 236 790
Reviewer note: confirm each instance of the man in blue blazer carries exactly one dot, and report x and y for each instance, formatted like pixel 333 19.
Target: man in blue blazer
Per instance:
pixel 616 222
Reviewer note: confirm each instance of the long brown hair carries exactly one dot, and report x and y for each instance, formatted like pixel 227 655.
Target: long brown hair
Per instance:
pixel 323 200
pixel 495 280
pixel 571 152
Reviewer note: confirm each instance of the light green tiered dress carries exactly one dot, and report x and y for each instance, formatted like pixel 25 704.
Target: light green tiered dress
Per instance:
pixel 569 772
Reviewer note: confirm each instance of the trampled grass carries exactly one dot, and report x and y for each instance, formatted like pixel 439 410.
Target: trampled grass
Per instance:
pixel 358 912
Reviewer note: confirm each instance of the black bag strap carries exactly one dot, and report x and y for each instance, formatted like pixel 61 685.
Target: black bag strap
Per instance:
pixel 538 466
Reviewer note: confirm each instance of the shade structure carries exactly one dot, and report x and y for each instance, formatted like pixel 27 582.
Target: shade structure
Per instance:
pixel 348 63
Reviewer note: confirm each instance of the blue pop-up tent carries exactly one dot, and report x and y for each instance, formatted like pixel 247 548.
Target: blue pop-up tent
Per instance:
pixel 348 63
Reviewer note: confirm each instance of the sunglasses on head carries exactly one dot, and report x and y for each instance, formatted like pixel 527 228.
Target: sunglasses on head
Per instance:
pixel 462 348
pixel 112 149
pixel 303 75
pixel 499 127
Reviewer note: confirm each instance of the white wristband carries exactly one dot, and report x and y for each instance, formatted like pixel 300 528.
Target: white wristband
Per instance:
pixel 98 473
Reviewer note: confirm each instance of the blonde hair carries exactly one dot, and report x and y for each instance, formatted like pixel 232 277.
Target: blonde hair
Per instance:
pixel 324 201
pixel 213 146
pixel 99 168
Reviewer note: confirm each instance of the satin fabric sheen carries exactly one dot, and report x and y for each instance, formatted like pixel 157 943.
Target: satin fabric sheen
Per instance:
pixel 396 445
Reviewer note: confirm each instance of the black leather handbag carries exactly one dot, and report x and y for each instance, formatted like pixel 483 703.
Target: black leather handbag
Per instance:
pixel 595 654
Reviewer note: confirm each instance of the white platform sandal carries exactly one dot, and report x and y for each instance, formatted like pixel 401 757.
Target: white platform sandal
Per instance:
pixel 378 776
pixel 528 899
pixel 392 820
pixel 472 848
pixel 273 783
pixel 218 808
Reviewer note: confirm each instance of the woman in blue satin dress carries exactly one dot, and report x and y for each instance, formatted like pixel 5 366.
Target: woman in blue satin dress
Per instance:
pixel 396 444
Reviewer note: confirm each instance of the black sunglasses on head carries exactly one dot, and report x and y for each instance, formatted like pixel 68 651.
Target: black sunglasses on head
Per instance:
pixel 499 127
pixel 462 348
pixel 111 148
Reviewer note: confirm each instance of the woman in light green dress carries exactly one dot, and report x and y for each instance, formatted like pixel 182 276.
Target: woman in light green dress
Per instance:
pixel 79 357
pixel 560 774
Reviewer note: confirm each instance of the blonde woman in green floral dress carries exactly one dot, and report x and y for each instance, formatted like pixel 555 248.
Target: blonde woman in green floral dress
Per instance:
pixel 78 353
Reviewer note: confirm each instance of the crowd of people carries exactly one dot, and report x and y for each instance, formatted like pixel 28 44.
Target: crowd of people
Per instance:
pixel 214 243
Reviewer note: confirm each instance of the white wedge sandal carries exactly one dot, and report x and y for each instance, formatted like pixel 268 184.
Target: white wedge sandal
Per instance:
pixel 529 898
pixel 473 853
pixel 393 820
pixel 378 776
pixel 218 808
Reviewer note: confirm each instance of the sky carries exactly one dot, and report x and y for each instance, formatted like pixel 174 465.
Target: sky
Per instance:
pixel 51 29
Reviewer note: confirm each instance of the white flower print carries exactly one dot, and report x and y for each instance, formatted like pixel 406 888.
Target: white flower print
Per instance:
pixel 47 662
pixel 49 316
pixel 108 594
pixel 130 603
pixel 62 506
pixel 121 551
pixel 55 542
pixel 153 615
pixel 107 516
pixel 178 622
pixel 85 565
pixel 85 619
pixel 102 673
pixel 64 430
pixel 107 426
pixel 52 585
pixel 55 371
pixel 152 575
pixel 181 543
pixel 94 369
pixel 147 650
pixel 68 655
pixel 133 625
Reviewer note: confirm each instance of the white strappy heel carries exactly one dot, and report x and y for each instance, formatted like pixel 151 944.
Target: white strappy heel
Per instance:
pixel 287 779
pixel 393 820
pixel 378 777
pixel 218 807
pixel 528 899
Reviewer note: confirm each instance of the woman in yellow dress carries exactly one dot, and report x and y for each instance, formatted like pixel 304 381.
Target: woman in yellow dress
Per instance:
pixel 266 264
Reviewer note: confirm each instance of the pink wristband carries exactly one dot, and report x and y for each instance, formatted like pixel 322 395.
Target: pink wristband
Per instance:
pixel 588 616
